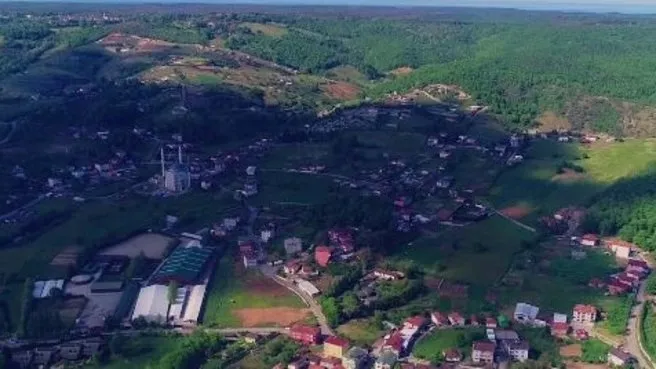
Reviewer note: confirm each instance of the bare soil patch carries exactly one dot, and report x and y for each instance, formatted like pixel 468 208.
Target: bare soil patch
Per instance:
pixel 516 212
pixel 549 121
pixel 120 42
pixel 280 316
pixel 573 350
pixel 153 245
pixel 401 71
pixel 342 90
pixel 67 257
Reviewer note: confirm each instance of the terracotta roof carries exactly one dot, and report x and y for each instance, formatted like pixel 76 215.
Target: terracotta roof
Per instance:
pixel 559 326
pixel 585 309
pixel 638 263
pixel 416 321
pixel 486 346
pixel 337 341
pixel 305 329
pixel 490 321
pixel 395 341
pixel 590 237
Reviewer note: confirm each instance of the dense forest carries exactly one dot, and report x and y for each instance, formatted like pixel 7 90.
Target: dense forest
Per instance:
pixel 628 209
pixel 521 64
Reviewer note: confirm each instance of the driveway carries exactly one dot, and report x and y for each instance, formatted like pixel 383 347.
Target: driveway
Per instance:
pixel 270 272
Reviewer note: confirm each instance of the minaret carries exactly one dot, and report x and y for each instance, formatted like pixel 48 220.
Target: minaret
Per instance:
pixel 180 154
pixel 161 153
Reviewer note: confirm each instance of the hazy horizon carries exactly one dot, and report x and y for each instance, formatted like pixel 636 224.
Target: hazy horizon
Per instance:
pixel 603 6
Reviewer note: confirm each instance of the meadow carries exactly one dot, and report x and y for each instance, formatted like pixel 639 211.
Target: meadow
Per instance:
pixel 478 253
pixel 431 346
pixel 541 185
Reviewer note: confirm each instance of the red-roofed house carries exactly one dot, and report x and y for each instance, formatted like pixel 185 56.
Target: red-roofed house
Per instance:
pixel 582 334
pixel 616 288
pixel 590 240
pixel 560 329
pixel 306 334
pixel 490 322
pixel 596 283
pixel 584 314
pixel 452 355
pixel 483 352
pixel 416 322
pixel 246 247
pixel 292 266
pixel 626 280
pixel 394 343
pixel 639 264
pixel 250 259
pixel 331 362
pixel 322 255
pixel 473 320
pixel 456 319
pixel 439 319
pixel 335 347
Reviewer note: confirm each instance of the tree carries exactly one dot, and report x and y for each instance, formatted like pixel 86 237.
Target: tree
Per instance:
pixel 331 310
pixel 350 304
pixel 651 284
pixel 25 307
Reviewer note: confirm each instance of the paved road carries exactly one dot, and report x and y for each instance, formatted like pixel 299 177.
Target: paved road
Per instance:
pixel 309 301
pixel 633 339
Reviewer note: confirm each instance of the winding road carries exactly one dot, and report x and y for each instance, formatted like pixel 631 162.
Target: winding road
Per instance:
pixel 633 339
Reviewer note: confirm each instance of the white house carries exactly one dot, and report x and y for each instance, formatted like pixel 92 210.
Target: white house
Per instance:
pixel 293 245
pixel 525 313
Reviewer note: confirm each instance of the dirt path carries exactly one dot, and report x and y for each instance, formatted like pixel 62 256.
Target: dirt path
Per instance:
pixel 517 222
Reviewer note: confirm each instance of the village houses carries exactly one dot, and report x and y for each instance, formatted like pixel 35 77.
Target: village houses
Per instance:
pixel 584 314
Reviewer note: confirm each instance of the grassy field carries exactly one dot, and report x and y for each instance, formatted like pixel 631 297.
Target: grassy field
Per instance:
pixel 282 187
pixel 538 186
pixel 292 156
pixel 392 142
pixel 478 254
pixel 265 29
pixel 361 332
pixel 233 289
pixel 146 353
pixel 431 346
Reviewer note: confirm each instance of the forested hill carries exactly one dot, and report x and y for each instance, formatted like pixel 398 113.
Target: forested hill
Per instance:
pixel 581 71
pixel 521 69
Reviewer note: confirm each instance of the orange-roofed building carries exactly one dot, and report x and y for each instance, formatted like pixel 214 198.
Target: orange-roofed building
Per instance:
pixel 322 255
pixel 335 347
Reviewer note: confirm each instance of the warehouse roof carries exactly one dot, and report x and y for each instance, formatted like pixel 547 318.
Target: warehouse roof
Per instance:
pixel 183 265
pixel 152 303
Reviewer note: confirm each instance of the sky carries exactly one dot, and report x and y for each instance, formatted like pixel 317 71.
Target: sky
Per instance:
pixel 622 6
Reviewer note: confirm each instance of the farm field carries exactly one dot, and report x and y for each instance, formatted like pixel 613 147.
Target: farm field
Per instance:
pixel 479 253
pixel 538 187
pixel 246 298
pixel 433 344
